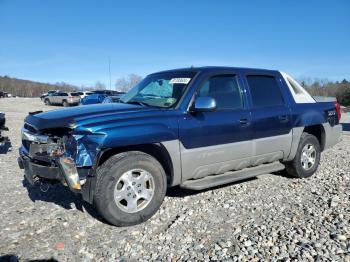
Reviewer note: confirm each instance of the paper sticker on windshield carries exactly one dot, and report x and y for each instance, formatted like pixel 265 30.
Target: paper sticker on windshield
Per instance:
pixel 184 81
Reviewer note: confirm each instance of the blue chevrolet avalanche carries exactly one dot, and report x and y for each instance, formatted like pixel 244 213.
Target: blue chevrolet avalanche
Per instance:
pixel 192 127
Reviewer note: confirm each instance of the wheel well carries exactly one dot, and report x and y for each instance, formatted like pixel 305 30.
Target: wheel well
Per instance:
pixel 156 150
pixel 318 132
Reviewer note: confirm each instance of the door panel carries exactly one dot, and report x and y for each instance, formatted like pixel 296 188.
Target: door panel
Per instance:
pixel 271 120
pixel 54 98
pixel 214 137
pixel 215 142
pixel 271 133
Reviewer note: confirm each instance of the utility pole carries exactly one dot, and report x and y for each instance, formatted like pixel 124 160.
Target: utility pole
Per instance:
pixel 109 69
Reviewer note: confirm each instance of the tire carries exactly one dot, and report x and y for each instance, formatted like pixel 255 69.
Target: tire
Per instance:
pixel 47 102
pixel 295 167
pixel 110 182
pixel 65 104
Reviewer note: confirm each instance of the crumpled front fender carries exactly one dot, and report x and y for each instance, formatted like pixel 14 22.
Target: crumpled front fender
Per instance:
pixel 84 148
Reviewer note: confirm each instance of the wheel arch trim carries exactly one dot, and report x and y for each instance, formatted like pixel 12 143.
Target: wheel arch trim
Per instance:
pixel 167 153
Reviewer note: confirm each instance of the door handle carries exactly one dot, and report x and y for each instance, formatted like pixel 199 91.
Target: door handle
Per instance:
pixel 243 122
pixel 283 118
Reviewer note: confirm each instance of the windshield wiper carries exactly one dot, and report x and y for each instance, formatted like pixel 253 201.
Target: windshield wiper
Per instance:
pixel 135 103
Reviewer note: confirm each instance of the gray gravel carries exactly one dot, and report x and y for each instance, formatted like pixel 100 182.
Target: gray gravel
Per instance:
pixel 269 218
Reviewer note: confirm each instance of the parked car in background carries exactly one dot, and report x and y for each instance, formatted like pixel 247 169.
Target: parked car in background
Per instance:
pixel 93 99
pixel 63 98
pixel 107 92
pixel 4 94
pixel 84 94
pixel 42 97
pixel 193 127
pixel 111 99
pixel 102 96
pixel 2 128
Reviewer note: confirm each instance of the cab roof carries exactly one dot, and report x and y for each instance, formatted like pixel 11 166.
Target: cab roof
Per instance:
pixel 209 69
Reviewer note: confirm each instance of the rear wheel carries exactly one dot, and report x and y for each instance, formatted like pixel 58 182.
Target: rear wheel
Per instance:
pixel 307 158
pixel 130 188
pixel 65 104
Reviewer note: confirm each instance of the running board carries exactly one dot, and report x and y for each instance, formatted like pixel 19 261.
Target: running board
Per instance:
pixel 232 176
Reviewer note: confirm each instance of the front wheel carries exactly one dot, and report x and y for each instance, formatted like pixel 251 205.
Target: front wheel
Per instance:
pixel 130 188
pixel 307 157
pixel 47 102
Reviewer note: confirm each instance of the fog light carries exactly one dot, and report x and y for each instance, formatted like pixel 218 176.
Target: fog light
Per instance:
pixel 70 172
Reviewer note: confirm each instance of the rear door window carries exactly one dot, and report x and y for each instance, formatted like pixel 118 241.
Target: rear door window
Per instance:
pixel 264 91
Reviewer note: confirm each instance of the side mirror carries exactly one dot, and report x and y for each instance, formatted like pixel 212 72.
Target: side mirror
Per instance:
pixel 204 104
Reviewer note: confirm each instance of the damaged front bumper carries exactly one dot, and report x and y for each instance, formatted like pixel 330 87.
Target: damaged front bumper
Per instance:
pixel 60 169
pixel 64 159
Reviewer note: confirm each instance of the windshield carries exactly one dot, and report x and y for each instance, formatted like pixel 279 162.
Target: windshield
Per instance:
pixel 160 90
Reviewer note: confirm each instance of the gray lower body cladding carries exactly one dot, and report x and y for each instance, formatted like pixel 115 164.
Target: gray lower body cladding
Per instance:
pixel 229 177
pixel 214 160
pixel 332 134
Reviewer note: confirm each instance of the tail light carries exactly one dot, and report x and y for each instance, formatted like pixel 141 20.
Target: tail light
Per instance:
pixel 337 108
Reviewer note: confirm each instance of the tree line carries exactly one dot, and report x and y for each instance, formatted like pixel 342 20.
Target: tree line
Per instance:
pixel 27 88
pixel 340 90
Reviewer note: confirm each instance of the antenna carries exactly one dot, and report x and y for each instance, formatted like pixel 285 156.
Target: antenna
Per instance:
pixel 109 69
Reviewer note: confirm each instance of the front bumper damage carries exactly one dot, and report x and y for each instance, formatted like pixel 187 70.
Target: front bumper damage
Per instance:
pixel 59 169
pixel 69 159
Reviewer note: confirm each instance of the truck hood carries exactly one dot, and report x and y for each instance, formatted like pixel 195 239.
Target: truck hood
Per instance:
pixel 75 116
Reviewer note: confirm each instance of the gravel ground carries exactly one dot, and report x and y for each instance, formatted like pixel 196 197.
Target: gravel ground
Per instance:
pixel 269 218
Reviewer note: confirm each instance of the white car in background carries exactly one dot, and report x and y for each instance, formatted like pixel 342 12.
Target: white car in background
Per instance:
pixel 83 94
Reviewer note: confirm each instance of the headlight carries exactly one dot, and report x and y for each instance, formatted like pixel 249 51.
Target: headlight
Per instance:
pixel 26 135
